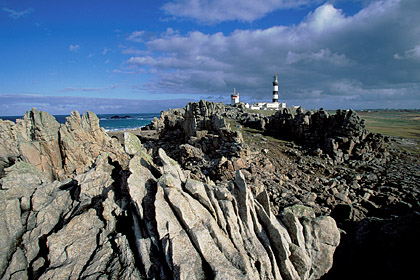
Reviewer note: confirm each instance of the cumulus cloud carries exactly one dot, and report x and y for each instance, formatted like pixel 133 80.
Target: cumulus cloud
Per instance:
pixel 325 17
pixel 17 14
pixel 74 48
pixel 213 11
pixel 377 48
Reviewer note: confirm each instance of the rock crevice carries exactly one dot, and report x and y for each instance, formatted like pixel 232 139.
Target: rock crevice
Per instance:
pixel 83 207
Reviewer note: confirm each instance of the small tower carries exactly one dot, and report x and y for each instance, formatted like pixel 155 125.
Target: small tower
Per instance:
pixel 275 89
pixel 234 98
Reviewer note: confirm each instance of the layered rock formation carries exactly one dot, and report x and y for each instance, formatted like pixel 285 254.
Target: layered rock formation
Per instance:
pixel 126 214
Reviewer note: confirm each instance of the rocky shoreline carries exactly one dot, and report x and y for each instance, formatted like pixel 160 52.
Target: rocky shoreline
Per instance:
pixel 207 191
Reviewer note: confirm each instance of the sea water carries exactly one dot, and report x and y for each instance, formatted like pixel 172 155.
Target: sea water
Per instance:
pixel 110 122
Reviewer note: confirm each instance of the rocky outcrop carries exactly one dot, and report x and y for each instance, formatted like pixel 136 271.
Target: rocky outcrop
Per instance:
pixel 197 230
pixel 336 166
pixel 197 116
pixel 253 120
pixel 34 139
pixel 341 135
pixel 215 130
pixel 172 118
pixel 327 161
pixel 146 219
pixel 59 151
pixel 200 128
pixel 63 230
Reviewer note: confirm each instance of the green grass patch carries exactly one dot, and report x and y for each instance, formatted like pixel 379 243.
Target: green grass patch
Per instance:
pixel 393 123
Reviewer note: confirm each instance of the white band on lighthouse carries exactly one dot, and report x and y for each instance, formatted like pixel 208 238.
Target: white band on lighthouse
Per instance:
pixel 276 88
pixel 275 96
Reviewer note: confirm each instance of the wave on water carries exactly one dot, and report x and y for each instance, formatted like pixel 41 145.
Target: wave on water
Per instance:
pixel 116 119
pixel 122 129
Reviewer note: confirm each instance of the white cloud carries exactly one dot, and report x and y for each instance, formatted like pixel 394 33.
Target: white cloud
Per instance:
pixel 325 17
pixel 17 14
pixel 213 11
pixel 311 57
pixel 74 48
pixel 413 53
pixel 136 36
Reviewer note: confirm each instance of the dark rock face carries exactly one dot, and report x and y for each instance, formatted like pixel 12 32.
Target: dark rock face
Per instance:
pixel 379 249
pixel 341 135
pixel 116 117
pixel 122 213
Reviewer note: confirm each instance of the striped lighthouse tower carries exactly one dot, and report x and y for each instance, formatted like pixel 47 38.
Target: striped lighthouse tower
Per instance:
pixel 275 89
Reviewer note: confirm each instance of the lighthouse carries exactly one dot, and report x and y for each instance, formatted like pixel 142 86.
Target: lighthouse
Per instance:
pixel 234 98
pixel 275 89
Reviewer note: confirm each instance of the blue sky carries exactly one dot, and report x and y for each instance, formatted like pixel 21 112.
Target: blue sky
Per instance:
pixel 145 56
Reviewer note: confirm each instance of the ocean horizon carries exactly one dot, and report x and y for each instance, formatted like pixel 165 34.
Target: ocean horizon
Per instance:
pixel 110 122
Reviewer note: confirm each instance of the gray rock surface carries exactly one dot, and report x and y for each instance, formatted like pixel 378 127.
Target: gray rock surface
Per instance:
pixel 62 230
pixel 327 161
pixel 220 231
pixel 59 151
pixel 79 206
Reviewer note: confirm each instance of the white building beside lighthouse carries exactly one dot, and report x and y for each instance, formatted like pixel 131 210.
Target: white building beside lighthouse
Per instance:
pixel 234 98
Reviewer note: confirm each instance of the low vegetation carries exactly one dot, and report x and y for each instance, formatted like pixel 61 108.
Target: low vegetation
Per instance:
pixel 399 123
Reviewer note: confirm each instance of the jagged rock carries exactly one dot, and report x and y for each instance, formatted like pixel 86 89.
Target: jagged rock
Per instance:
pixel 199 136
pixel 219 230
pixel 329 172
pixel 33 139
pixel 341 135
pixel 203 115
pixel 172 118
pixel 82 140
pixel 119 213
pixel 59 151
pixel 57 230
